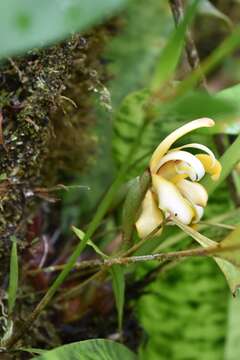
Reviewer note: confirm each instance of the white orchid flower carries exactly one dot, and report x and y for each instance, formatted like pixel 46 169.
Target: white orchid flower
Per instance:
pixel 175 174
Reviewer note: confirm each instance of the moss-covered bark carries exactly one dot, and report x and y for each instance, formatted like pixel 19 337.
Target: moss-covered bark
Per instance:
pixel 44 120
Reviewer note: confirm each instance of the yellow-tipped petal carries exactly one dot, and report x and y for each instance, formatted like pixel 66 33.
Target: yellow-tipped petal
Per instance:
pixel 213 169
pixel 193 191
pixel 171 201
pixel 165 145
pixel 199 147
pixel 195 166
pixel 150 217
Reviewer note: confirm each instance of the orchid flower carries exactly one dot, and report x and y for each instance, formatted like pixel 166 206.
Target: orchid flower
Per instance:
pixel 175 174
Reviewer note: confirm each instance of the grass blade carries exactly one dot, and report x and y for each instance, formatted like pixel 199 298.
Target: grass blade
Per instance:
pixel 13 277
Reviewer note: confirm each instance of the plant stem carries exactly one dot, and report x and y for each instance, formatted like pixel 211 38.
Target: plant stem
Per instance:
pixel 159 257
pixel 190 47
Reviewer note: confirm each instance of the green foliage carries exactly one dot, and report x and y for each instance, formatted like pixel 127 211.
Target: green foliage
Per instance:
pixel 89 350
pixel 232 347
pixel 134 198
pixel 13 276
pixel 184 313
pixel 80 234
pixel 208 9
pixel 130 117
pixel 134 50
pixel 118 282
pixel 169 57
pixel 223 107
pixel 24 25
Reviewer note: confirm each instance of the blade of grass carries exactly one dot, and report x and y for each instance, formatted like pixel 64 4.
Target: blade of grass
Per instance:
pixel 170 55
pixel 227 46
pixel 13 277
pixel 118 282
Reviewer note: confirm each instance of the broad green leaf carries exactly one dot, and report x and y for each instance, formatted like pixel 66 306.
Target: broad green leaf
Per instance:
pixel 118 282
pixel 98 349
pixel 26 24
pixel 80 234
pixel 13 276
pixel 169 58
pixel 232 346
pixel 206 8
pixel 184 313
pixel 129 118
pixel 196 104
pixel 133 59
pixel 229 123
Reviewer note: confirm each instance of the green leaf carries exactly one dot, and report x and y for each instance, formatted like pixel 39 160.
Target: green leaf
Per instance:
pixel 98 349
pixel 133 59
pixel 216 57
pixel 232 345
pixel 229 123
pixel 80 234
pixel 118 281
pixel 224 260
pixel 232 240
pixel 196 104
pixel 13 277
pixel 184 313
pixel 33 350
pixel 25 24
pixel 132 204
pixel 168 60
pixel 207 8
pixel 129 118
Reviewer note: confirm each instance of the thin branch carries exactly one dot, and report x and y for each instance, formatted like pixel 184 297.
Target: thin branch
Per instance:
pixel 159 257
pixel 190 47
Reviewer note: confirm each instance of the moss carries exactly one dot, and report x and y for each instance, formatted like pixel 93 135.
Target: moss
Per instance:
pixel 31 92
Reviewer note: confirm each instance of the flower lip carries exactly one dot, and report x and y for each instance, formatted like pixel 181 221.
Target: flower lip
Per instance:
pixel 165 145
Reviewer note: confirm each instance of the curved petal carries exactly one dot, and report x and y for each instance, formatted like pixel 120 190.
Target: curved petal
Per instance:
pixel 194 167
pixel 165 145
pixel 193 191
pixel 150 217
pixel 213 169
pixel 171 201
pixel 200 147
